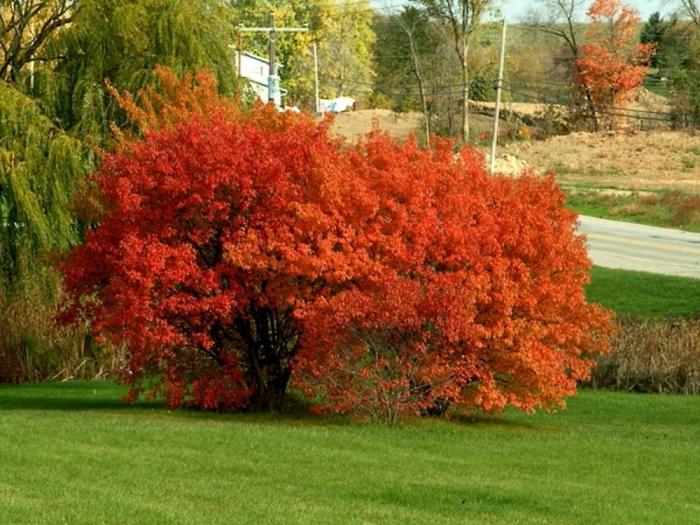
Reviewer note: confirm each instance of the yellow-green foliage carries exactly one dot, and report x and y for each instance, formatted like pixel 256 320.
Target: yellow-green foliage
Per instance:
pixel 39 168
pixel 343 31
pixel 123 41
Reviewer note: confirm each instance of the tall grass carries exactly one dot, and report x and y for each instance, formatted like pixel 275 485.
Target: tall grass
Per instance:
pixel 652 355
pixel 33 347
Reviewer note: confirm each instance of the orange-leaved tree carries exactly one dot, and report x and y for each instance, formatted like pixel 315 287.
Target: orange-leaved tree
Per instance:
pixel 219 224
pixel 475 297
pixel 612 64
pixel 245 253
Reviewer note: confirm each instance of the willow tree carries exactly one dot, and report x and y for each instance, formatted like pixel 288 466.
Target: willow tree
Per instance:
pixel 46 132
pixel 39 168
pixel 122 41
pixel 52 115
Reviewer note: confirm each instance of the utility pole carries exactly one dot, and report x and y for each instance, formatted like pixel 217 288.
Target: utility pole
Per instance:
pixel 499 88
pixel 316 99
pixel 273 79
pixel 240 49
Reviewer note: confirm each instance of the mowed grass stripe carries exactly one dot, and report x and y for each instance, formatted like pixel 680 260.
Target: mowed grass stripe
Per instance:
pixel 644 294
pixel 71 453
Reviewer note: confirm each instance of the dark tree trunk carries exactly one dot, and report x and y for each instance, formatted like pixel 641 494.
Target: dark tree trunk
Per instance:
pixel 270 339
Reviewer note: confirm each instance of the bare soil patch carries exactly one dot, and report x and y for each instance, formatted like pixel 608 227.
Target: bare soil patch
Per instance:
pixel 648 160
pixel 355 124
pixel 645 160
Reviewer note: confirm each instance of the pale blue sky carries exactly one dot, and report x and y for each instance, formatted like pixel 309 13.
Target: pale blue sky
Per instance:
pixel 514 10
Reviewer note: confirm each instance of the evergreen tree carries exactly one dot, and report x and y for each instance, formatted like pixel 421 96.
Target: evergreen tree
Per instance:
pixel 653 33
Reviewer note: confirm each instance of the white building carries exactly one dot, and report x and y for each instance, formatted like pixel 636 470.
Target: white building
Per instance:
pixel 257 70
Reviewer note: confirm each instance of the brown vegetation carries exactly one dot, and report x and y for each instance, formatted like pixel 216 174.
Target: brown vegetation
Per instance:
pixel 652 356
pixel 34 348
pixel 644 160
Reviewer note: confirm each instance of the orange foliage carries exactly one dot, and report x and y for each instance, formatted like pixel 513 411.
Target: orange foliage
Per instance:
pixel 612 64
pixel 474 297
pixel 174 100
pixel 240 251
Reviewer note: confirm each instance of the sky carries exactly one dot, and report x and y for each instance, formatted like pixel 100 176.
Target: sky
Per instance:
pixel 514 10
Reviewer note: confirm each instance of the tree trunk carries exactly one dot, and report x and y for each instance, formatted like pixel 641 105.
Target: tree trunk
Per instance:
pixel 591 108
pixel 465 88
pixel 267 338
pixel 421 86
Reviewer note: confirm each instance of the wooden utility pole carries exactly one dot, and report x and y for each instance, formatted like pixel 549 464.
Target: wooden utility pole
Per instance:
pixel 316 99
pixel 499 88
pixel 273 79
pixel 465 33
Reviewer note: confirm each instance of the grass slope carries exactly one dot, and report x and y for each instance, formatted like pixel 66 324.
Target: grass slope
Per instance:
pixel 644 294
pixel 666 209
pixel 72 453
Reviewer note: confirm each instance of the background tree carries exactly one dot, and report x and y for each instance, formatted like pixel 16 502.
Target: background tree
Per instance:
pixel 395 86
pixel 679 63
pixel 461 18
pixel 653 33
pixel 346 48
pixel 560 19
pixel 25 26
pixel 344 36
pixel 693 10
pixel 414 26
pixel 612 64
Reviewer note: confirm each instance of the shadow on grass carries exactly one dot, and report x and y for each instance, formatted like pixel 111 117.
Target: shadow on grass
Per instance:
pixel 82 396
pixel 70 404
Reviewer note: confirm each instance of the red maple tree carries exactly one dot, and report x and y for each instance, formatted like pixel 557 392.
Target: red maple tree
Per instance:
pixel 612 64
pixel 241 250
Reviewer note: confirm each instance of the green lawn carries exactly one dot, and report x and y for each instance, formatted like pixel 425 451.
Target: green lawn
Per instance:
pixel 72 453
pixel 662 208
pixel 644 294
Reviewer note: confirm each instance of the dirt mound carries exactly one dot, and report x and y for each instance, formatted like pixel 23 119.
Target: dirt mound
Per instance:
pixel 355 124
pixel 508 165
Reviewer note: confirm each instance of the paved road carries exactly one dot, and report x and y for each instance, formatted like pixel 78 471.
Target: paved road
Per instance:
pixel 628 246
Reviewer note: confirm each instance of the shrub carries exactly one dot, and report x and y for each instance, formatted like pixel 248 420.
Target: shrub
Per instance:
pixel 241 250
pixel 477 301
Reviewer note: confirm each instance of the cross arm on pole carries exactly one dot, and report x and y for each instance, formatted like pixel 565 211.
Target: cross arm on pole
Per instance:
pixel 273 29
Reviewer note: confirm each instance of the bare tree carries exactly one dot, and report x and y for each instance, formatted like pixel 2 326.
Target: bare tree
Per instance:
pixel 693 10
pixel 462 17
pixel 559 18
pixel 408 20
pixel 25 25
